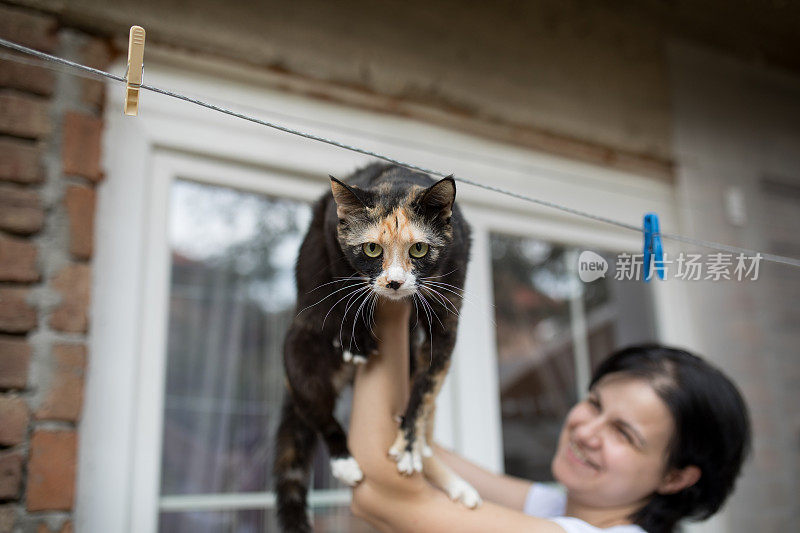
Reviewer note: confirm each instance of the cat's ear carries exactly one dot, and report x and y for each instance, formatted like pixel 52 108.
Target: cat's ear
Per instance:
pixel 438 198
pixel 347 199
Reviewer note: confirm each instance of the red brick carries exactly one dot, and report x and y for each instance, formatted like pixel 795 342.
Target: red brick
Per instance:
pixel 20 161
pixel 30 29
pixel 16 315
pixel 24 116
pixel 13 420
pixel 96 54
pixel 20 210
pixel 17 260
pixel 10 475
pixel 80 154
pixel 51 471
pixel 64 399
pixel 73 284
pixel 29 78
pixel 15 355
pixel 7 518
pixel 80 202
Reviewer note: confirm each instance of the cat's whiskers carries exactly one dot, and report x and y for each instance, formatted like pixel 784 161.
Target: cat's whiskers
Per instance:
pixel 416 321
pixel 339 300
pixel 443 275
pixel 452 289
pixel 442 299
pixel 430 322
pixel 355 320
pixel 371 311
pixel 340 279
pixel 443 284
pixel 350 302
pixel 328 296
pixel 430 307
pixel 458 291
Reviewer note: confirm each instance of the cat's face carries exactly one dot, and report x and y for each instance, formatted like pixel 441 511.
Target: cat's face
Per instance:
pixel 397 243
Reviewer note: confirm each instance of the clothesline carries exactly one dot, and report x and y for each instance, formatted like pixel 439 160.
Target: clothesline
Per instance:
pixel 576 212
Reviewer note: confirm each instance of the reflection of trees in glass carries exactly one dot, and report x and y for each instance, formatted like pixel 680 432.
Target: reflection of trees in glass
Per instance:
pixel 253 237
pixel 528 277
pixel 231 299
pixel 532 286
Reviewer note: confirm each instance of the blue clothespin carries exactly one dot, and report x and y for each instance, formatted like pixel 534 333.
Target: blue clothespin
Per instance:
pixel 652 246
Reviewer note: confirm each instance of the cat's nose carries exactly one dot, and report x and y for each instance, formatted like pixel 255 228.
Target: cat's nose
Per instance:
pixel 393 285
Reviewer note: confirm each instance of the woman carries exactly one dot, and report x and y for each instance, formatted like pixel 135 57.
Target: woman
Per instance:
pixel 661 436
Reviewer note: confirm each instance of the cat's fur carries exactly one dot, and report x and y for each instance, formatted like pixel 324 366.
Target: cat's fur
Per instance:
pixel 337 286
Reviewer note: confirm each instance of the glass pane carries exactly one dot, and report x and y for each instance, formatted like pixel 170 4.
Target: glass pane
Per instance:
pixel 618 313
pixel 232 297
pixel 532 287
pixel 231 300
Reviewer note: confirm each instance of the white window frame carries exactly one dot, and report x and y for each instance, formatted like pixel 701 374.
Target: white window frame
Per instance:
pixel 120 433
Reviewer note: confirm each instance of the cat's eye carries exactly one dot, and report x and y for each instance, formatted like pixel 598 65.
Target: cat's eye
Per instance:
pixel 372 249
pixel 418 249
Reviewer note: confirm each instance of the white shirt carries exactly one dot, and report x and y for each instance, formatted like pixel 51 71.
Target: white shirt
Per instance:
pixel 550 502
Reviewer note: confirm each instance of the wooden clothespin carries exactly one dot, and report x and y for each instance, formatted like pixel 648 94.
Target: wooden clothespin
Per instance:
pixel 653 251
pixel 133 76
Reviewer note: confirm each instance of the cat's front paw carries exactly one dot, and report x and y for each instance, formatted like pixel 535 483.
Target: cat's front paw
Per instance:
pixel 461 491
pixel 356 359
pixel 346 470
pixel 408 460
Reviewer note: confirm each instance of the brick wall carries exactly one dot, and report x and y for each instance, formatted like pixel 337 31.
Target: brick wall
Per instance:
pixel 50 131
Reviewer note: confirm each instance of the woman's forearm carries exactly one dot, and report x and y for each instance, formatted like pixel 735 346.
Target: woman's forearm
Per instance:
pixel 380 393
pixel 504 490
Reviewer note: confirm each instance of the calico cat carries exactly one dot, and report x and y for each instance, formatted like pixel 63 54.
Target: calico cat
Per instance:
pixel 385 232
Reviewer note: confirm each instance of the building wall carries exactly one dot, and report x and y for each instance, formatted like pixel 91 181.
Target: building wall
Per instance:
pixel 49 166
pixel 579 80
pixel 738 127
pixel 571 78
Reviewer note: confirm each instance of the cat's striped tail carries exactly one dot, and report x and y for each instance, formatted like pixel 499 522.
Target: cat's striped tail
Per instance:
pixel 294 451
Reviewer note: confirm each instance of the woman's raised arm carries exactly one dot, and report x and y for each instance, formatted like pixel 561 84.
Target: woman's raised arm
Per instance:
pixel 387 499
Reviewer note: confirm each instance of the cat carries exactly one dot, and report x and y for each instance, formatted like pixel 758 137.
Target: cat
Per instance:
pixel 384 232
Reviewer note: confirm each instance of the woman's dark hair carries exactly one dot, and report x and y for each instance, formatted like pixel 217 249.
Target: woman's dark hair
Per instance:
pixel 712 429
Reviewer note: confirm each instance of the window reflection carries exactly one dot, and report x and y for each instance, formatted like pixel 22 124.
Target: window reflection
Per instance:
pixel 533 284
pixel 232 297
pixel 534 349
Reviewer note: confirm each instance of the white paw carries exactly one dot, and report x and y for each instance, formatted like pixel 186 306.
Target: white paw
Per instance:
pixel 359 359
pixel 346 470
pixel 347 356
pixel 461 491
pixel 399 446
pixel 427 451
pixel 409 463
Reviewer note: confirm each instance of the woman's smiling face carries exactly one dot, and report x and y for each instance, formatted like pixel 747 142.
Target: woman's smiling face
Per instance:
pixel 612 450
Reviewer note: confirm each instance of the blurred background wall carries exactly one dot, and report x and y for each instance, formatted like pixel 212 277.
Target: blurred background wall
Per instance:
pixel 703 96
